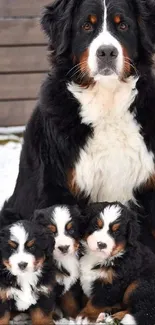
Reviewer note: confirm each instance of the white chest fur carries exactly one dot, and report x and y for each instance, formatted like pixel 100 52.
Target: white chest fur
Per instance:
pixel 87 275
pixel 115 160
pixel 27 295
pixel 71 264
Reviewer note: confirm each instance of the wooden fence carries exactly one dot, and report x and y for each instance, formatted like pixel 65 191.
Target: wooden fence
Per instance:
pixel 23 59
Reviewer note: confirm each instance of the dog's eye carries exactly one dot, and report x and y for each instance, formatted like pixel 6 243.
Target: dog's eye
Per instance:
pixel 87 26
pixel 123 26
pixel 12 244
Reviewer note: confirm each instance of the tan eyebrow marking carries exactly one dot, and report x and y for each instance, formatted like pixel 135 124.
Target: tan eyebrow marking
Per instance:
pixel 69 225
pixel 30 243
pixel 52 228
pixel 100 223
pixel 117 19
pixel 93 19
pixel 115 227
pixel 12 244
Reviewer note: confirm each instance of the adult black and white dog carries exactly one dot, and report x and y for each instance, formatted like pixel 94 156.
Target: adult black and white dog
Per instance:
pixel 92 134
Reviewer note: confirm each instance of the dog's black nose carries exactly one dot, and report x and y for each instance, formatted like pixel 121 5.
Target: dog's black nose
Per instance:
pixel 22 265
pixel 101 245
pixel 64 249
pixel 107 52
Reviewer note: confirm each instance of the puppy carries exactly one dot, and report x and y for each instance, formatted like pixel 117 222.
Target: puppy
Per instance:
pixel 117 271
pixel 63 223
pixel 27 274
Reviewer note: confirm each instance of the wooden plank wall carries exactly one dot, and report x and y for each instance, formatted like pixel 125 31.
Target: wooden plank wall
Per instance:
pixel 23 59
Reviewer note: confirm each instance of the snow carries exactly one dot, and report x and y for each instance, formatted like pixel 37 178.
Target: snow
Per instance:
pixel 9 163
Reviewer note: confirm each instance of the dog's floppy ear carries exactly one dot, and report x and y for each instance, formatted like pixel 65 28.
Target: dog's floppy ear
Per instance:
pixel 133 227
pixel 39 217
pixel 56 22
pixel 46 239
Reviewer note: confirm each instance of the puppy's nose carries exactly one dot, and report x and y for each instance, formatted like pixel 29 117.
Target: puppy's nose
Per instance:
pixel 64 249
pixel 107 52
pixel 101 245
pixel 22 265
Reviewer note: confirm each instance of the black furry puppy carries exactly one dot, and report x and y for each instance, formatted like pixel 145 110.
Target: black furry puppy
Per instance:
pixel 63 222
pixel 117 272
pixel 27 275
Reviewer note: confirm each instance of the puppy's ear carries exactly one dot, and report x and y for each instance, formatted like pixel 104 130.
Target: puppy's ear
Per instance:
pixel 39 217
pixel 56 22
pixel 133 228
pixel 46 240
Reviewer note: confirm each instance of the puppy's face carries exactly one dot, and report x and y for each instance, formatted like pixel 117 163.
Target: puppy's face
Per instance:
pixel 62 222
pixel 24 248
pixel 103 38
pixel 110 230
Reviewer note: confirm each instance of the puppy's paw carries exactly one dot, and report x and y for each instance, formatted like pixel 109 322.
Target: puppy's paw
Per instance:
pixel 80 320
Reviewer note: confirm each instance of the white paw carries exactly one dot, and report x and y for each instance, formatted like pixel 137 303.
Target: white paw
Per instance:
pixel 21 319
pixel 82 321
pixel 128 320
pixel 65 321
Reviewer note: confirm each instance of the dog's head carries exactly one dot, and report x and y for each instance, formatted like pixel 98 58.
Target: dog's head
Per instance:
pixel 110 228
pixel 24 247
pixel 62 221
pixel 102 38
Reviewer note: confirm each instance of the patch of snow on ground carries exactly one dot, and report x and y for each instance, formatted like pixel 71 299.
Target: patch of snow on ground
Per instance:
pixel 9 164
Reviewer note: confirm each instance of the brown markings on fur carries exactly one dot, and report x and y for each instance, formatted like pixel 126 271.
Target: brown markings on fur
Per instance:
pixel 12 244
pixel 115 227
pixel 119 316
pixel 52 228
pixel 3 294
pixel 150 184
pixel 71 180
pixel 153 233
pixel 100 223
pixel 30 243
pixel 117 19
pixel 39 318
pixel 76 245
pixel 92 312
pixel 5 319
pixel 69 305
pixel 84 62
pixel 69 225
pixel 118 248
pixel 131 288
pixel 39 262
pixel 93 19
pixel 127 66
pixel 110 275
pixel 7 264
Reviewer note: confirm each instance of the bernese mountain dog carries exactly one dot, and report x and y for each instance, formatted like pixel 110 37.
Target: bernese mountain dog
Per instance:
pixel 117 271
pixel 27 272
pixel 91 136
pixel 63 221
